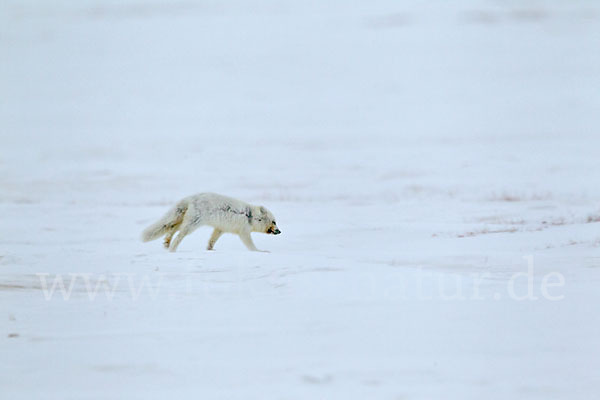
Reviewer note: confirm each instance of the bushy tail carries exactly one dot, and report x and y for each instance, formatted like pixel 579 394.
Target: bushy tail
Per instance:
pixel 171 219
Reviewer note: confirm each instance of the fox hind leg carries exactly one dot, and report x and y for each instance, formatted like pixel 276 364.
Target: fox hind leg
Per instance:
pixel 169 235
pixel 191 221
pixel 185 230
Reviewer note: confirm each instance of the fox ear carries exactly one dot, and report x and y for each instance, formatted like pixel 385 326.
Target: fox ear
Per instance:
pixel 263 210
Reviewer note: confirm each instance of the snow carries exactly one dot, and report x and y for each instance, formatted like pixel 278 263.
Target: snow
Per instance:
pixel 433 167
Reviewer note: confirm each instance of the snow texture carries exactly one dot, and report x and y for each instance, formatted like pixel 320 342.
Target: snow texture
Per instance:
pixel 433 167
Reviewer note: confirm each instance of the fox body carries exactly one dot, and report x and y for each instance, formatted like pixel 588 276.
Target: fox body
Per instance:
pixel 224 214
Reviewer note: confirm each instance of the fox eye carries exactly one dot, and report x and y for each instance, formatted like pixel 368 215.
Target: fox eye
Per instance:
pixel 274 222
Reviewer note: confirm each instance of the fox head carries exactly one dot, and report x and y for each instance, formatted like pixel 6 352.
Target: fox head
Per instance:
pixel 265 222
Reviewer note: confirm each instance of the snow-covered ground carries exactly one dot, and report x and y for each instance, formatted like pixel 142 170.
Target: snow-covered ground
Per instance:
pixel 434 167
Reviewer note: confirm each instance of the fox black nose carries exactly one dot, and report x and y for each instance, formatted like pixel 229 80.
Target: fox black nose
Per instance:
pixel 276 232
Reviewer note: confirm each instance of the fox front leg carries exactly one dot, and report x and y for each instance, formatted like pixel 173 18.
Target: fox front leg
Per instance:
pixel 247 239
pixel 213 238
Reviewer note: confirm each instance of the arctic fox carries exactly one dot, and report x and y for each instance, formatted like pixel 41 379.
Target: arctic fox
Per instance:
pixel 223 213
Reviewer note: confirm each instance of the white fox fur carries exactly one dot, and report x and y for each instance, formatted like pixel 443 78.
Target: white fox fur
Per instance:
pixel 223 213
